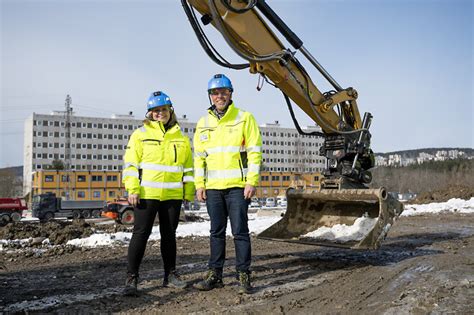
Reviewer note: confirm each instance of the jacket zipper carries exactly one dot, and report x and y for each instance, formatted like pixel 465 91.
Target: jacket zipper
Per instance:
pixel 241 170
pixel 175 155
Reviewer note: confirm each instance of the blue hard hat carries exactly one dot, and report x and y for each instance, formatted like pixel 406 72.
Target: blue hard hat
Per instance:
pixel 219 81
pixel 158 99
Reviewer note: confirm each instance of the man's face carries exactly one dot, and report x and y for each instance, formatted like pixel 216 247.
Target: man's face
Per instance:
pixel 220 98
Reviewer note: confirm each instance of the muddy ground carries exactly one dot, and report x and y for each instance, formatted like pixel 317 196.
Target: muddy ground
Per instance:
pixel 426 265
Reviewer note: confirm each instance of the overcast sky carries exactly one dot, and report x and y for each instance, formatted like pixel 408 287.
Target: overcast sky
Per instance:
pixel 410 60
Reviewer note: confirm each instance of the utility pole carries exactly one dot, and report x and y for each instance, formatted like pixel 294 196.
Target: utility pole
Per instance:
pixel 67 154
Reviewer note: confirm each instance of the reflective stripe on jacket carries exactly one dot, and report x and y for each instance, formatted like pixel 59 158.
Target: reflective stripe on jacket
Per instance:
pixel 164 160
pixel 227 151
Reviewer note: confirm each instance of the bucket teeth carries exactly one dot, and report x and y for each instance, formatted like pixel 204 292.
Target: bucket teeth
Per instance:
pixel 309 212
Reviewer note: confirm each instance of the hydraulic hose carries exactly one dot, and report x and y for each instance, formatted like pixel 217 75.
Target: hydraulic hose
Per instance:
pixel 205 42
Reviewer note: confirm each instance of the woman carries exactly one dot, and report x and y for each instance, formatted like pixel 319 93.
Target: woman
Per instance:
pixel 158 175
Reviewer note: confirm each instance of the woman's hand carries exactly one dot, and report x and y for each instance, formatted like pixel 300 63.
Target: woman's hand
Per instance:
pixel 133 199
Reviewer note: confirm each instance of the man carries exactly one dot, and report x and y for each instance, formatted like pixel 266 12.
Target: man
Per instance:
pixel 227 157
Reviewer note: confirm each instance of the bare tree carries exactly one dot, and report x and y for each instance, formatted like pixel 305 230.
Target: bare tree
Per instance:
pixel 10 184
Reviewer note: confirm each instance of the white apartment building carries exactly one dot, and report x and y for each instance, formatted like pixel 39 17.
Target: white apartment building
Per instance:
pixel 99 143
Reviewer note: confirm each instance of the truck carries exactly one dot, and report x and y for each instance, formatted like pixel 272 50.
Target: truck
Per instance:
pixel 11 209
pixel 344 194
pixel 47 206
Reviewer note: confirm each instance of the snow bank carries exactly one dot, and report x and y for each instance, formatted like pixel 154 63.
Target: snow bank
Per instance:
pixel 452 205
pixel 256 225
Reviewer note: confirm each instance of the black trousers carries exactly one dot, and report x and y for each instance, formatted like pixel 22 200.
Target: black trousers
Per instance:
pixel 168 214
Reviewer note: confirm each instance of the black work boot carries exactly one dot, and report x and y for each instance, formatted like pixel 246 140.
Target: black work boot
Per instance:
pixel 244 282
pixel 213 279
pixel 131 285
pixel 173 280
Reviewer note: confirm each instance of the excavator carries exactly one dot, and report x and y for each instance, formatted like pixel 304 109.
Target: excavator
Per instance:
pixel 344 198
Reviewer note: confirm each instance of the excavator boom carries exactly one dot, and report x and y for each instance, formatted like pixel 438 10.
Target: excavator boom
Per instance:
pixel 344 197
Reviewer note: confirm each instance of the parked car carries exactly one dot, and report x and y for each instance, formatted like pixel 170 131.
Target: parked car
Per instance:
pixel 254 203
pixel 281 201
pixel 270 202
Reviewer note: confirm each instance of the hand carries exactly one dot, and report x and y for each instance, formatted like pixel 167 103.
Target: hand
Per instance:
pixel 249 191
pixel 133 199
pixel 201 194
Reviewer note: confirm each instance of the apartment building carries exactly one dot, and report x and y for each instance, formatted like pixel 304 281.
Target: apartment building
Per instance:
pixel 98 144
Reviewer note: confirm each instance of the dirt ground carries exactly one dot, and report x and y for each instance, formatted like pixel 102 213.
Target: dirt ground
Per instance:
pixel 426 265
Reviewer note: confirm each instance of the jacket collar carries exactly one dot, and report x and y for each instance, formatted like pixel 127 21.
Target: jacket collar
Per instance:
pixel 158 125
pixel 230 109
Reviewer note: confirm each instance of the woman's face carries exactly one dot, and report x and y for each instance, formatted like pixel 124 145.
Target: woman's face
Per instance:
pixel 162 113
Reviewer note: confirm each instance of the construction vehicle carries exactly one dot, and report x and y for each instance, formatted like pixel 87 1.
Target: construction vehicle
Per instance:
pixel 344 195
pixel 47 206
pixel 11 209
pixel 120 211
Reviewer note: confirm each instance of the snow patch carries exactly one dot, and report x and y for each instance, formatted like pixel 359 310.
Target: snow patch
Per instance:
pixel 452 205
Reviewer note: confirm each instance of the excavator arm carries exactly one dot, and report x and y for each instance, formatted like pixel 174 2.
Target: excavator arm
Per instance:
pixel 346 136
pixel 347 144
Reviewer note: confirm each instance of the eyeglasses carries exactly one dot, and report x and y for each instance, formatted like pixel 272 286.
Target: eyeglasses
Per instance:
pixel 224 92
pixel 160 110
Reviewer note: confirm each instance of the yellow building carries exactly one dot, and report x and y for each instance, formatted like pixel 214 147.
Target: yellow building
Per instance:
pixel 272 184
pixel 107 185
pixel 81 185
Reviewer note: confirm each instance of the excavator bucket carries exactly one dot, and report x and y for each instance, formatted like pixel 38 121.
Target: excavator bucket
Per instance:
pixel 347 218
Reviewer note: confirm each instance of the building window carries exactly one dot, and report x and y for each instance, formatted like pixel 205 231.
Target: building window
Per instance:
pixel 96 178
pixel 96 194
pixel 316 178
pixel 111 178
pixel 81 194
pixel 81 178
pixel 64 178
pixel 49 178
pixel 111 193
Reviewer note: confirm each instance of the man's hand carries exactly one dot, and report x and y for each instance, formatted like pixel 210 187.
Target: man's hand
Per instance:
pixel 201 194
pixel 249 191
pixel 133 199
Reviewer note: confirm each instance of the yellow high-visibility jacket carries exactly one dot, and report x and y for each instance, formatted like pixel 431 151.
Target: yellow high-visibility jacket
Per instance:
pixel 164 160
pixel 227 151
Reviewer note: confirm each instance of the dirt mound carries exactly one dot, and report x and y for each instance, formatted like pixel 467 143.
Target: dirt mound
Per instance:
pixel 443 195
pixel 58 232
pixel 191 217
pixel 113 228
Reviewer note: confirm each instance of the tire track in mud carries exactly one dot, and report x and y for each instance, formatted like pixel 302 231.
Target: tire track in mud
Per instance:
pixel 352 278
pixel 147 281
